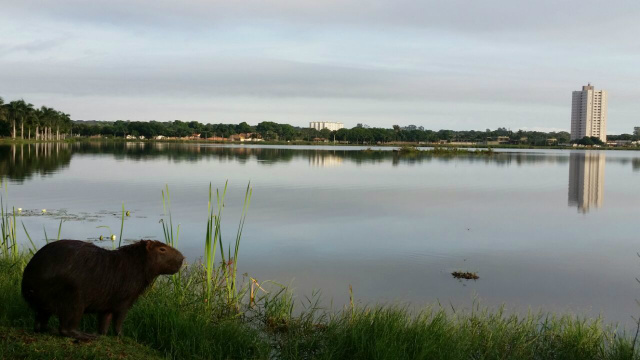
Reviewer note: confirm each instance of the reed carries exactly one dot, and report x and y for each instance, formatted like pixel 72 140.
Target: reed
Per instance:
pixel 170 238
pixel 225 275
pixel 9 243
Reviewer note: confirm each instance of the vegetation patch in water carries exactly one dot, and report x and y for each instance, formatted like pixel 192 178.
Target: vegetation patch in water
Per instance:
pixel 465 275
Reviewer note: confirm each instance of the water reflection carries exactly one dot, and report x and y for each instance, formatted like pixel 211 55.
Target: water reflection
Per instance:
pixel 586 180
pixel 20 162
pixel 324 160
pixel 393 220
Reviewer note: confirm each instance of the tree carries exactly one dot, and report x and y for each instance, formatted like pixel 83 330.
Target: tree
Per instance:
pixel 243 127
pixel 3 111
pixel 396 129
pixel 589 141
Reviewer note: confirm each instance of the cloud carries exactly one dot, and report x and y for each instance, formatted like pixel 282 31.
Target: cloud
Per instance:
pixel 456 63
pixel 456 15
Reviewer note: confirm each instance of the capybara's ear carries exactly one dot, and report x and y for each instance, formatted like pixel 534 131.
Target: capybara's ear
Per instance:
pixel 148 244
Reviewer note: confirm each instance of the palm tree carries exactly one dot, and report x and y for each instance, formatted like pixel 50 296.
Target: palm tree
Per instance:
pixel 18 111
pixel 64 121
pixel 46 120
pixel 32 120
pixel 27 112
pixel 13 110
pixel 3 110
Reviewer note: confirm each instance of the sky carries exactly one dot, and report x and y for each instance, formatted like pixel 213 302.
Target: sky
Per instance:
pixel 454 64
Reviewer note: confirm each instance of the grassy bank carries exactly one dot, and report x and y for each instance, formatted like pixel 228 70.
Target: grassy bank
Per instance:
pixel 179 318
pixel 207 312
pixel 182 326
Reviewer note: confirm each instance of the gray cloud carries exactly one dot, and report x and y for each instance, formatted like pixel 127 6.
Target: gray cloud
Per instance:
pixel 457 15
pixel 443 64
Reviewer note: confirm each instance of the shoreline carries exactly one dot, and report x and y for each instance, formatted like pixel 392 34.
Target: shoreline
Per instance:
pixel 318 144
pixel 171 321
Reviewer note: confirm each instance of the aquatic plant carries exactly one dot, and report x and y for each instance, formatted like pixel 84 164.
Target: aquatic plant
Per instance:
pixel 9 243
pixel 170 238
pixel 224 275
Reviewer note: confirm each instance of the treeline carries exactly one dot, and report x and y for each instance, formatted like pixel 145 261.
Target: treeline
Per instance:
pixel 21 120
pixel 271 131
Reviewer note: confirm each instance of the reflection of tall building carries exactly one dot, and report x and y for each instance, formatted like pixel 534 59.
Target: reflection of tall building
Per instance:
pixel 586 180
pixel 324 160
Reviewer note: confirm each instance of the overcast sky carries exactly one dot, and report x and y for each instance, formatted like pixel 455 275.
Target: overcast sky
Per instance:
pixel 446 64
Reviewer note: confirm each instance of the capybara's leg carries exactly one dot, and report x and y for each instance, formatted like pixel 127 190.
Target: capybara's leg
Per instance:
pixel 42 321
pixel 118 319
pixel 70 320
pixel 104 320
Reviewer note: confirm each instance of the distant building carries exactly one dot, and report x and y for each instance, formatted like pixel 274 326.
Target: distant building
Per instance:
pixel 586 180
pixel 246 137
pixel 319 125
pixel 500 140
pixel 589 113
pixel 636 131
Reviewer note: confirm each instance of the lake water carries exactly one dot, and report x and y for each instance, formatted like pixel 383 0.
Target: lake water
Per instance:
pixel 544 229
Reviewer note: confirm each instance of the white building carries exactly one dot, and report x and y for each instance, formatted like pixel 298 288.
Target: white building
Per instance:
pixel 589 113
pixel 319 125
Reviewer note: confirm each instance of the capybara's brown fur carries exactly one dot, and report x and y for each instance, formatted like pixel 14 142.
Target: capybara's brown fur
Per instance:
pixel 68 278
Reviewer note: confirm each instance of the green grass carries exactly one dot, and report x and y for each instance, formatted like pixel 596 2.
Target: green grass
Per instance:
pixel 22 344
pixel 160 326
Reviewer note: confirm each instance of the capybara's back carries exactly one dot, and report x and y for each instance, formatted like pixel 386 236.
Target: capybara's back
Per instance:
pixel 68 278
pixel 52 269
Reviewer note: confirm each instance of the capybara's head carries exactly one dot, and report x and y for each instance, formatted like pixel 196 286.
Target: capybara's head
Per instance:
pixel 163 259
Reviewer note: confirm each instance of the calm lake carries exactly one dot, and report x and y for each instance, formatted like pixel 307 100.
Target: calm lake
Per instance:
pixel 544 229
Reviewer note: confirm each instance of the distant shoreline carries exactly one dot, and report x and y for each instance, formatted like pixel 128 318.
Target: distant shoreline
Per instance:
pixel 6 141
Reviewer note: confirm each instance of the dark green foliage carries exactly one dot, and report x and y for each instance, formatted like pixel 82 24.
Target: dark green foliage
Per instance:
pixel 271 131
pixel 589 141
pixel 21 120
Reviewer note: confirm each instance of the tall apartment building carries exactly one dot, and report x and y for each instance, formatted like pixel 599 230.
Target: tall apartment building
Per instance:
pixel 589 113
pixel 586 180
pixel 319 125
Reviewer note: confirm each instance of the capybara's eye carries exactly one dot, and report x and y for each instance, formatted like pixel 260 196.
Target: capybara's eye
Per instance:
pixel 163 249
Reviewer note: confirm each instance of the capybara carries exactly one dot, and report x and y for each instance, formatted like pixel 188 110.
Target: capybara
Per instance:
pixel 68 278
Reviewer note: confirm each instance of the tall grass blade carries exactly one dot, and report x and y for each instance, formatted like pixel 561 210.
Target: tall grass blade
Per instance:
pixel 121 226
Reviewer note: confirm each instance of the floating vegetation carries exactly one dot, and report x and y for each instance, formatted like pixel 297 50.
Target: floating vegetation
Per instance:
pixel 465 275
pixel 408 150
pixel 441 150
pixel 63 214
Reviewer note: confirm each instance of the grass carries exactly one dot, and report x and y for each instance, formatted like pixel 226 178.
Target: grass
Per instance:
pixel 269 328
pixel 204 312
pixel 22 344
